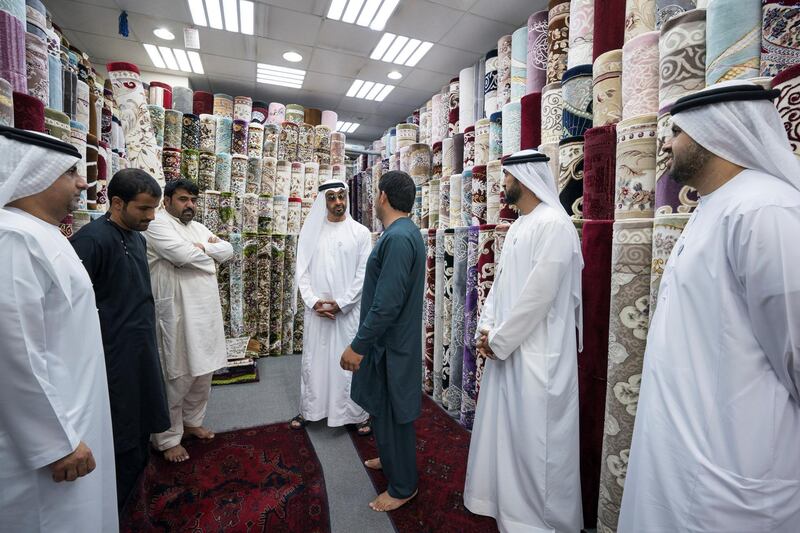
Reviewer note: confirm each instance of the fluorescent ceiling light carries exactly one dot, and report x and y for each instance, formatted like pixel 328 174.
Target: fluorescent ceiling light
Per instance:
pixel 375 13
pixel 155 56
pixel 336 9
pixel 354 88
pixel 183 60
pixel 421 51
pixel 368 12
pixel 400 50
pixel 351 13
pixel 408 49
pixel 398 44
pixel 174 59
pixel 282 76
pixel 368 90
pixel 346 126
pixel 169 58
pixel 394 75
pixel 353 127
pixel 384 93
pixel 379 22
pixel 164 33
pixel 362 93
pixel 247 12
pixel 231 15
pixel 292 57
pixel 239 15
pixel 198 13
pixel 197 65
pixel 375 91
pixel 214 14
pixel 382 46
pixel 339 125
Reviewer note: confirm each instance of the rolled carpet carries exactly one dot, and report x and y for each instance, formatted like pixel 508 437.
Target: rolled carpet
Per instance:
pixel 599 171
pixel 469 371
pixel 28 112
pixel 182 100
pixel 593 360
pixel 636 168
pixel 609 27
pixel 456 363
pixel 570 179
pixel 607 88
pixel 788 104
pixel 277 277
pixel 12 51
pixel 160 93
pixel 576 90
pixel 531 121
pixel 537 53
pixel 552 110
pixel 640 79
pixel 202 103
pixel 780 40
pixel 429 311
pixel 682 56
pixel 666 10
pixel 640 17
pixel 733 39
pixel 581 33
pixel 557 39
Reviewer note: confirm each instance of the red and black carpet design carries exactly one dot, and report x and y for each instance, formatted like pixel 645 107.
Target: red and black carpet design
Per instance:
pixel 258 479
pixel 442 450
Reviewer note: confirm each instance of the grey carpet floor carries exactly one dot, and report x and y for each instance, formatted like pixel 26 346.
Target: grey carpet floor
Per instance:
pixel 276 398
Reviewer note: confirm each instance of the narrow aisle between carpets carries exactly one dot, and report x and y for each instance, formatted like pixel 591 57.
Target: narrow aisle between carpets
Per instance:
pixel 275 398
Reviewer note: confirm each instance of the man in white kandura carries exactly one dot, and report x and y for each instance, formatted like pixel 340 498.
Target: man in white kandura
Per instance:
pixel 183 254
pixel 56 447
pixel 718 421
pixel 523 457
pixel 332 255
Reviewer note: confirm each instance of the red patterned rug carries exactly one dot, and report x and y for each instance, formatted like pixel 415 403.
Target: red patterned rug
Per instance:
pixel 258 479
pixel 442 450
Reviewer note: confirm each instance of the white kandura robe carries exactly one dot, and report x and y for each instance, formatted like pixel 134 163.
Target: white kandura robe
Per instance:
pixel 715 444
pixel 523 457
pixel 53 388
pixel 336 272
pixel 190 332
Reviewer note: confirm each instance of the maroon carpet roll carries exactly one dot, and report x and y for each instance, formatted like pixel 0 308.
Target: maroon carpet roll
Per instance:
pixel 122 65
pixel 202 103
pixel 599 172
pixel 102 164
pixel 593 360
pixel 91 171
pixel 469 147
pixel 531 122
pixel 609 27
pixel 28 112
pixel 165 91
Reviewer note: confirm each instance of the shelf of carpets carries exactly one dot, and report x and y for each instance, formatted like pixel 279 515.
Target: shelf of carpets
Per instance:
pixel 258 166
pixel 45 80
pixel 590 84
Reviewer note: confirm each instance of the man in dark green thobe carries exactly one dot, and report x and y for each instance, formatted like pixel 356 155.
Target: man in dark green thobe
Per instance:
pixel 385 354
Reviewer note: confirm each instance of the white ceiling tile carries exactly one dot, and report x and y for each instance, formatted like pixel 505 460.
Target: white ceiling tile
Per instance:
pixel 330 62
pixel 327 83
pixel 514 12
pixel 409 98
pixel 271 52
pixel 231 86
pixel 292 26
pixel 423 20
pixel 347 37
pixel 477 34
pixel 425 80
pixel 461 5
pixel 177 10
pixel 70 15
pixel 447 60
pixel 227 66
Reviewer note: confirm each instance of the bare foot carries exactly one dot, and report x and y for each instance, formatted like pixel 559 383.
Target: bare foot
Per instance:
pixel 384 502
pixel 200 432
pixel 373 464
pixel 176 454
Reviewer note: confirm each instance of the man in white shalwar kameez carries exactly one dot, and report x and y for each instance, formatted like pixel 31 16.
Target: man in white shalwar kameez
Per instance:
pixel 715 444
pixel 183 254
pixel 523 457
pixel 56 447
pixel 332 255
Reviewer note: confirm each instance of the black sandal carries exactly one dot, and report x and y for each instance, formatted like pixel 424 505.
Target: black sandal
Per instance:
pixel 364 429
pixel 298 422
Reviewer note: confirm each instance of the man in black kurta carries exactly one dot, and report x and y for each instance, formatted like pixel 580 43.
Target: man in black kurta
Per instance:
pixel 386 352
pixel 115 255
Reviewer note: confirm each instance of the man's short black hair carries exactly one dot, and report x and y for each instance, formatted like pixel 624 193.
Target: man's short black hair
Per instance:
pixel 130 182
pixel 400 190
pixel 187 185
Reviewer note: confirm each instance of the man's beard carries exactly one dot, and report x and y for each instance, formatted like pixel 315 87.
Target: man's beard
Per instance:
pixel 687 168
pixel 513 193
pixel 187 216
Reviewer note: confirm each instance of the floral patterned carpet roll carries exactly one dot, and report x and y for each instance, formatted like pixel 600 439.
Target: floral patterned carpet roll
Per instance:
pixel 276 294
pixel 682 56
pixel 788 104
pixel 264 291
pixel 557 39
pixel 469 397
pixel 780 38
pixel 636 168
pixel 250 283
pixel 640 75
pixel 630 301
pixel 733 39
pixel 570 175
pixel 131 101
pixel 289 263
pixel 455 390
pixel 429 310
pixel 236 285
pixel 441 367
